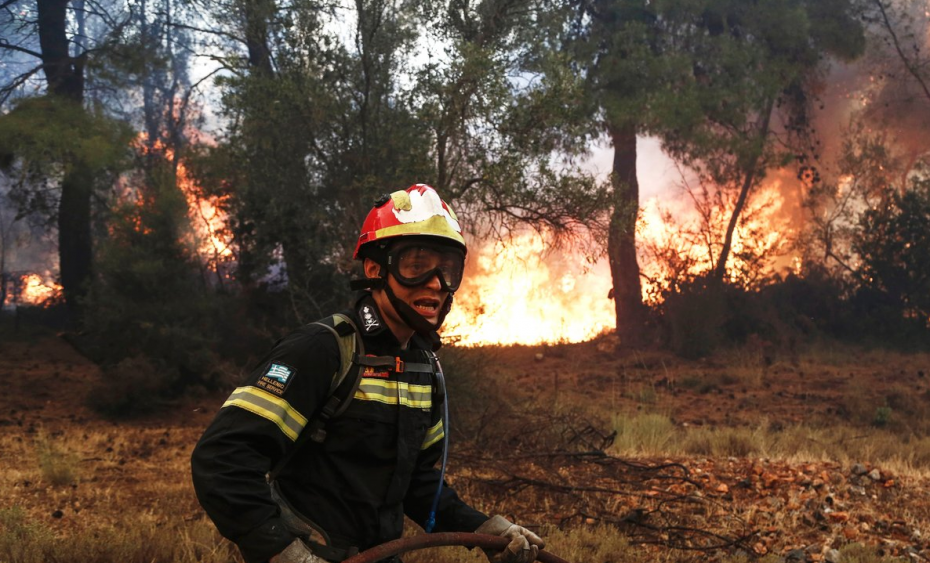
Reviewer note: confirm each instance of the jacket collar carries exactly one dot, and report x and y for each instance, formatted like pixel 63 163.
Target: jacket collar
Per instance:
pixel 370 322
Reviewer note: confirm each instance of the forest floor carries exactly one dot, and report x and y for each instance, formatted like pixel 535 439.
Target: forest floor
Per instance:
pixel 747 454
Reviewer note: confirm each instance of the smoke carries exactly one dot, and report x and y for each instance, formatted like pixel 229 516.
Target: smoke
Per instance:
pixel 25 246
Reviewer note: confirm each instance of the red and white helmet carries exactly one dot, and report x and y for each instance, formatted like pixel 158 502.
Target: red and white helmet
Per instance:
pixel 416 211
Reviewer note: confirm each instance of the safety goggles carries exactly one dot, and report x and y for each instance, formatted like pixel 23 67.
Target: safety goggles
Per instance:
pixel 416 264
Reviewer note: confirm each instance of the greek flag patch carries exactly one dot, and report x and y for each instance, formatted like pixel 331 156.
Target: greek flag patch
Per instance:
pixel 275 378
pixel 278 372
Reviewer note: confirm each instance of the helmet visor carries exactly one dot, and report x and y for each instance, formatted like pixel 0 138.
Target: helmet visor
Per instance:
pixel 414 265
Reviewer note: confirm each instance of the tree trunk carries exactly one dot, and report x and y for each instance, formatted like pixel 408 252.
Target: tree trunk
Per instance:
pixel 65 77
pixel 2 276
pixel 257 14
pixel 75 249
pixel 749 177
pixel 63 73
pixel 621 239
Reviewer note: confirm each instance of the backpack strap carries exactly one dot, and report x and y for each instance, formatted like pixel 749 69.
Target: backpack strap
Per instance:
pixel 341 390
pixel 343 387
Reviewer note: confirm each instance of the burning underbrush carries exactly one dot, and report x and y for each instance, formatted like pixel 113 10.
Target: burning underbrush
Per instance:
pixel 30 289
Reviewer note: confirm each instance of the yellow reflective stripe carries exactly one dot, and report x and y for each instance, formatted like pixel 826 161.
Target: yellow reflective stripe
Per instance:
pixel 395 392
pixel 433 435
pixel 266 405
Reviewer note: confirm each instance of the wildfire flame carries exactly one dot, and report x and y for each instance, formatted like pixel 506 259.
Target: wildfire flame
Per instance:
pixel 205 212
pixel 35 290
pixel 677 242
pixel 517 293
pixel 207 218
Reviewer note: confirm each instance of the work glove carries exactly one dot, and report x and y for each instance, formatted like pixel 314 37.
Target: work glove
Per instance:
pixel 523 547
pixel 296 552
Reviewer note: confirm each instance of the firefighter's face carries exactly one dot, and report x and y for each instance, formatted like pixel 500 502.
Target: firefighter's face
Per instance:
pixel 426 299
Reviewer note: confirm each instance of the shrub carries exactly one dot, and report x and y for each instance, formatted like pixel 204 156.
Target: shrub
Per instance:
pixel 882 416
pixel 133 386
pixel 58 466
pixel 22 541
pixel 644 434
pixel 694 318
pixel 149 300
pixel 893 242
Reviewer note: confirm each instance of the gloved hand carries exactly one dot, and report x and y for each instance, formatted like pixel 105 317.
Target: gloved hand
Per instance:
pixel 524 545
pixel 296 552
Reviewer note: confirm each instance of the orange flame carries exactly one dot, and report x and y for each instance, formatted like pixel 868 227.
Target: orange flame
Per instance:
pixel 38 291
pixel 677 243
pixel 205 212
pixel 517 293
pixel 207 219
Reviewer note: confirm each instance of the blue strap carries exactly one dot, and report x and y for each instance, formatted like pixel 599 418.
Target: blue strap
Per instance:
pixel 440 380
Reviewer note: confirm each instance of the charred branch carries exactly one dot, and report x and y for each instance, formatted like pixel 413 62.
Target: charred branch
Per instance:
pixel 650 503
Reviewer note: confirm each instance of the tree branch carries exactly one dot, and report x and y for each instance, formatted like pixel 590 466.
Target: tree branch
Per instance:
pixel 219 33
pixel 897 45
pixel 10 47
pixel 7 90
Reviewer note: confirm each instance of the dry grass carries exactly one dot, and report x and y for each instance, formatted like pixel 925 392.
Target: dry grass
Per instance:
pixel 110 494
pixel 605 544
pixel 656 435
pixel 57 465
pixel 588 544
pixel 138 538
pixel 90 490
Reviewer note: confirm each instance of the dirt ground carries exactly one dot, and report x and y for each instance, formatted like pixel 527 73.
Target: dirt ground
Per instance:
pixel 772 506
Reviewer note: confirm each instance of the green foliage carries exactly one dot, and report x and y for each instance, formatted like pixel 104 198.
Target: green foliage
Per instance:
pixel 150 314
pixel 45 137
pixel 335 124
pixel 893 243
pixel 702 316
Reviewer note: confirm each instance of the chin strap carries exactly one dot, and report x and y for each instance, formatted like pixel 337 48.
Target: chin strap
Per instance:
pixel 408 314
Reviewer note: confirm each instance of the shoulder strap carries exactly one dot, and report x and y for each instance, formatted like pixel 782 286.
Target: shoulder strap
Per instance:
pixel 341 390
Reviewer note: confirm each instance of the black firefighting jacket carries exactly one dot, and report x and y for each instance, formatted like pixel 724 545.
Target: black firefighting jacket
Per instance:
pixel 376 464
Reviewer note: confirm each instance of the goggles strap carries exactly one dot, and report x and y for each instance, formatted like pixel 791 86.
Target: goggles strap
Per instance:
pixel 367 283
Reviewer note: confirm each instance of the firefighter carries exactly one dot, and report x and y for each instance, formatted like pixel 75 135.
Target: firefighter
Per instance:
pixel 339 429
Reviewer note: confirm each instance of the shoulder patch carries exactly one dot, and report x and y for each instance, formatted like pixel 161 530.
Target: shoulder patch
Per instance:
pixel 371 322
pixel 276 378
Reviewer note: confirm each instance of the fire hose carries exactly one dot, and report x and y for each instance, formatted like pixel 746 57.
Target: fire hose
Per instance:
pixel 423 541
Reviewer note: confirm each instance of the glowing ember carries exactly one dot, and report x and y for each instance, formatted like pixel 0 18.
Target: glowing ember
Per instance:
pixel 38 291
pixel 516 293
